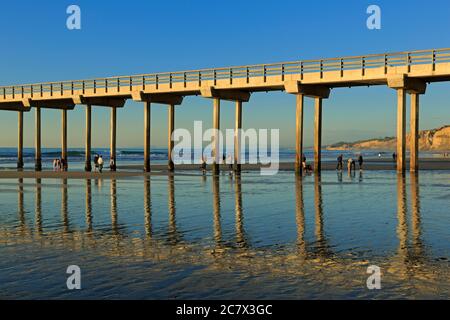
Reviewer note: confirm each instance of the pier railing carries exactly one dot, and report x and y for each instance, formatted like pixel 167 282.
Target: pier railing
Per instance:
pixel 126 83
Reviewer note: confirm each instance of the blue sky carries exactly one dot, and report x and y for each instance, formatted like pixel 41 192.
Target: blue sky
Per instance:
pixel 133 37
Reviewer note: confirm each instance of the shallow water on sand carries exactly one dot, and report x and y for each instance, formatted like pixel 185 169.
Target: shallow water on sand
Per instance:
pixel 190 236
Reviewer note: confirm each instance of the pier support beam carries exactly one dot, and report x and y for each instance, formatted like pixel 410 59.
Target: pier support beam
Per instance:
pixel 401 129
pixel 64 136
pixel 147 119
pixel 170 126
pixel 414 134
pixel 169 99
pixel 20 140
pixel 88 166
pixel 318 92
pixel 37 155
pixel 402 84
pixel 113 137
pixel 237 137
pixel 299 133
pixel 237 96
pixel 216 127
pixel 317 134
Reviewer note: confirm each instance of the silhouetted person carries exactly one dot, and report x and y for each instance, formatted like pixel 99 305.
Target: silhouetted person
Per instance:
pixel 360 161
pixel 96 162
pixel 203 166
pixel 339 162
pixel 63 164
pixel 112 164
pixel 394 156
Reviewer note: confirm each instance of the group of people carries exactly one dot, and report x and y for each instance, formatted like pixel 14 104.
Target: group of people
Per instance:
pixel 225 160
pixel 99 163
pixel 351 163
pixel 59 164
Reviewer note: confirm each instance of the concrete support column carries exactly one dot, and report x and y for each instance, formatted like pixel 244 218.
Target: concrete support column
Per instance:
pixel 37 156
pixel 171 126
pixel 64 135
pixel 414 141
pixel 113 137
pixel 299 133
pixel 401 129
pixel 20 140
pixel 147 136
pixel 237 137
pixel 87 165
pixel 216 146
pixel 317 134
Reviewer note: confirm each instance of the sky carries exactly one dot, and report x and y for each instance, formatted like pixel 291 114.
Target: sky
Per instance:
pixel 135 37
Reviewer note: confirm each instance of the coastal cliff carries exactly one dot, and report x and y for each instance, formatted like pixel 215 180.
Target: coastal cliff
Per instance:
pixel 429 140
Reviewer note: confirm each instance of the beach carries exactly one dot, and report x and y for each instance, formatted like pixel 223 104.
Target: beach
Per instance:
pixel 134 170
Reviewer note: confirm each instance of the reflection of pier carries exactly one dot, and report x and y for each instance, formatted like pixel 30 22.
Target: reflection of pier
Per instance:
pixel 410 253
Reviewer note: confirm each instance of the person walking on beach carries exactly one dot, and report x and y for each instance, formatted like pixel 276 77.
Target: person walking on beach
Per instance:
pixel 360 162
pixel 112 164
pixel 100 164
pixel 96 162
pixel 203 166
pixel 54 165
pixel 63 164
pixel 230 164
pixel 351 165
pixel 394 156
pixel 340 160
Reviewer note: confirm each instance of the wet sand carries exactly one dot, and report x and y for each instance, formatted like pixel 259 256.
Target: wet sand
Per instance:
pixel 159 169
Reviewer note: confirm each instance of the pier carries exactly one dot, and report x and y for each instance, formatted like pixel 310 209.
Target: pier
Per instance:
pixel 405 72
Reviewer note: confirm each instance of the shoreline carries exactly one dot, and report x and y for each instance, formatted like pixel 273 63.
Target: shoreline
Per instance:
pixel 429 164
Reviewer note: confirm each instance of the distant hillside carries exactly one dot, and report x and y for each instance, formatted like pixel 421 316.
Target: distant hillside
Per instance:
pixel 430 140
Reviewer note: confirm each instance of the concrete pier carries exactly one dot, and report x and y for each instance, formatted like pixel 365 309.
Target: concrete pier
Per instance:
pixel 171 127
pixel 216 145
pixel 20 140
pixel 406 72
pixel 37 138
pixel 299 133
pixel 317 134
pixel 147 119
pixel 113 136
pixel 414 140
pixel 88 165
pixel 237 136
pixel 64 135
pixel 401 129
